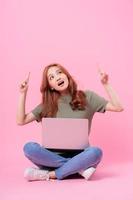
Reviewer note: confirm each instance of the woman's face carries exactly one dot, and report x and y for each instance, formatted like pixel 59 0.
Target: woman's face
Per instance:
pixel 57 79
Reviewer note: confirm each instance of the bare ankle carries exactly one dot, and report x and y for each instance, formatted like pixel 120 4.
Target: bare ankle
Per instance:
pixel 52 175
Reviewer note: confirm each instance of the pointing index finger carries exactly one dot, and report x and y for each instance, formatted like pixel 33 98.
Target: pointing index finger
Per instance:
pixel 100 71
pixel 27 80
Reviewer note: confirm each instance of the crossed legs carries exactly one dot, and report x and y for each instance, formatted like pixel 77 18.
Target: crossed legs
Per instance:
pixel 62 167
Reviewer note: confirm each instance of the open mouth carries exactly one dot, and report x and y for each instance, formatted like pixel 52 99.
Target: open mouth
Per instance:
pixel 61 83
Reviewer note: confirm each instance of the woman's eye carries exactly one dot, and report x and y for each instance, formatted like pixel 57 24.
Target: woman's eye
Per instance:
pixel 60 72
pixel 51 77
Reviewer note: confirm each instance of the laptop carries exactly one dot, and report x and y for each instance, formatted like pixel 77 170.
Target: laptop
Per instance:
pixel 65 133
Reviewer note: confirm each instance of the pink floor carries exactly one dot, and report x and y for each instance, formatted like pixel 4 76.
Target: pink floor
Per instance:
pixel 110 182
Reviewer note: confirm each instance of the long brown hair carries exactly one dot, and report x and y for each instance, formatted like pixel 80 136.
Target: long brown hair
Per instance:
pixel 50 97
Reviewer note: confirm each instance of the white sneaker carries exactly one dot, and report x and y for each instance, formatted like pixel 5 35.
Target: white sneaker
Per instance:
pixel 87 173
pixel 34 174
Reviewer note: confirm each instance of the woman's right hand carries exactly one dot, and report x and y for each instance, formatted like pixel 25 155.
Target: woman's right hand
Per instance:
pixel 24 85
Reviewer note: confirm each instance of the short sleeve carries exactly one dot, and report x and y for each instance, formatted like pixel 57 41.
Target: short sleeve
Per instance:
pixel 96 102
pixel 37 112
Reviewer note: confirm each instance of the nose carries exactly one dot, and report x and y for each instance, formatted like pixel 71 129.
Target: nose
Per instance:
pixel 57 79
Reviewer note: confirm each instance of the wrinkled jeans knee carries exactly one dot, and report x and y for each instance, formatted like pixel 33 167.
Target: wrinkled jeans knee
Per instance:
pixel 96 152
pixel 31 148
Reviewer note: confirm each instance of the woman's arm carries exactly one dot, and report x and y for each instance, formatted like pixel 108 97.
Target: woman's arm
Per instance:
pixel 21 109
pixel 114 104
pixel 21 117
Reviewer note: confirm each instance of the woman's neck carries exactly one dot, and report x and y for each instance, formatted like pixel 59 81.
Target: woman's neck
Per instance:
pixel 65 92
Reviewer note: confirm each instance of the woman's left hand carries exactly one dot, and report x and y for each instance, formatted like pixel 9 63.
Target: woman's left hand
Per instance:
pixel 103 76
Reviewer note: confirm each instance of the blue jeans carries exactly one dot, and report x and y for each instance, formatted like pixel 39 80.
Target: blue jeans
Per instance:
pixel 63 166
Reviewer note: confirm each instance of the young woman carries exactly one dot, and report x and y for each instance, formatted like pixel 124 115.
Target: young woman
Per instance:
pixel 61 98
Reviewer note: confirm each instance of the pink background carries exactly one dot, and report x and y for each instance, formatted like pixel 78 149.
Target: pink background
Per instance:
pixel 77 34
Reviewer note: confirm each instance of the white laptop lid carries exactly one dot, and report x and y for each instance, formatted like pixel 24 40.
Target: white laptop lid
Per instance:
pixel 65 133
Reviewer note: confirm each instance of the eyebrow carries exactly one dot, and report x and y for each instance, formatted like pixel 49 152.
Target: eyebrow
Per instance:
pixel 56 71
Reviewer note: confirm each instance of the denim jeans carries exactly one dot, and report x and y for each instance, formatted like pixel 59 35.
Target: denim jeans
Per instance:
pixel 63 166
